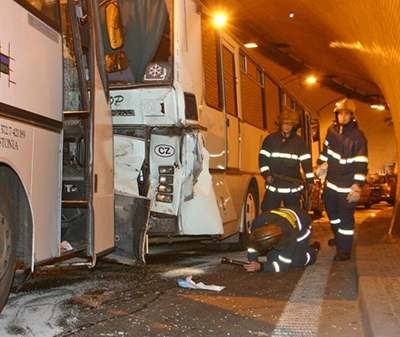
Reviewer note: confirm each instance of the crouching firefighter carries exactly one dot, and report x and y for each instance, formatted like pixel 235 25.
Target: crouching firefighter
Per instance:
pixel 282 235
pixel 281 157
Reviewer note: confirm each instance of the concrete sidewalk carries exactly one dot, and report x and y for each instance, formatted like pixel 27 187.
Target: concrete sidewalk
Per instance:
pixel 378 269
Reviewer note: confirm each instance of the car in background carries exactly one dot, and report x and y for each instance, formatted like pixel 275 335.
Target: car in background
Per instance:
pixel 378 188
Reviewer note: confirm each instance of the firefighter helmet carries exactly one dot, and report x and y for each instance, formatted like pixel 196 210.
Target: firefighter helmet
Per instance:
pixel 289 116
pixel 345 104
pixel 265 237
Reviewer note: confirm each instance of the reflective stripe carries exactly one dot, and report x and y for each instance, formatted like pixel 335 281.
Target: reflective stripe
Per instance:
pixel 326 142
pixel 359 177
pixel 335 221
pixel 265 153
pixel 360 159
pixel 284 259
pixel 297 217
pixel 334 154
pixel 344 161
pixel 305 157
pixel 310 175
pixel 264 169
pixel 276 266
pixel 284 189
pixel 284 155
pixel 251 250
pixel 301 238
pixel 308 258
pixel 323 158
pixel 337 188
pixel 346 231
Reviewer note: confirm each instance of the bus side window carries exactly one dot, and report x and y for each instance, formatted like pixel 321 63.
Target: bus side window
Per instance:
pixel 211 64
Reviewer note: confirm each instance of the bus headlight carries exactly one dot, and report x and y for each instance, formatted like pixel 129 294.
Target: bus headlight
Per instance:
pixel 161 197
pixel 167 180
pixel 166 169
pixel 166 188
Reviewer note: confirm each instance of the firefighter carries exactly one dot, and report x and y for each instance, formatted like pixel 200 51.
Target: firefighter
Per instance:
pixel 282 235
pixel 344 161
pixel 281 155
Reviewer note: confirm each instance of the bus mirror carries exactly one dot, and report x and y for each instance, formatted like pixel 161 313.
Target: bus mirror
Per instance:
pixel 114 26
pixel 116 61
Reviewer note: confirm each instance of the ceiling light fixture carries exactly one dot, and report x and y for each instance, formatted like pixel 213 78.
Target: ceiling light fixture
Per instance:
pixel 251 45
pixel 311 80
pixel 291 15
pixel 219 20
pixel 379 107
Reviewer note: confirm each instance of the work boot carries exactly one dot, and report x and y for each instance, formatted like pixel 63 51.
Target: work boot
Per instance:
pixel 342 256
pixel 332 242
pixel 316 246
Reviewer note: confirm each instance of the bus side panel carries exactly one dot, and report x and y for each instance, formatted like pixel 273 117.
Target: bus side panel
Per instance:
pixel 251 142
pixel 46 193
pixel 16 149
pixel 34 82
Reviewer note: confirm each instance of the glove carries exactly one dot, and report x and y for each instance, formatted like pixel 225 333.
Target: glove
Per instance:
pixel 321 171
pixel 355 193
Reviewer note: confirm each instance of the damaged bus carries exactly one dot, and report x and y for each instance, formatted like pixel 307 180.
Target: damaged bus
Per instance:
pixel 56 142
pixel 190 110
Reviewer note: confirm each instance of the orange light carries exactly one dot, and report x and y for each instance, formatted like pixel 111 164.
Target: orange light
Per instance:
pixel 219 20
pixel 311 80
pixel 251 45
pixel 379 107
pixel 291 15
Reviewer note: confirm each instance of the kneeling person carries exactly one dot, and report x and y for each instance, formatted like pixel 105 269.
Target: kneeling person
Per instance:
pixel 282 235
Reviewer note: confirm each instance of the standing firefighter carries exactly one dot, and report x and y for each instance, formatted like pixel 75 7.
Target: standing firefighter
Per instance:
pixel 282 235
pixel 280 158
pixel 345 162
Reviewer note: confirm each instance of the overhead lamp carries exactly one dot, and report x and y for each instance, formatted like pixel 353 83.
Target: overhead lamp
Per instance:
pixel 311 80
pixel 291 15
pixel 251 45
pixel 219 20
pixel 379 107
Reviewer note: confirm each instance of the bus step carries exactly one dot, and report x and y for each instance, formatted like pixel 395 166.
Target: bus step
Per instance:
pixel 81 114
pixel 75 203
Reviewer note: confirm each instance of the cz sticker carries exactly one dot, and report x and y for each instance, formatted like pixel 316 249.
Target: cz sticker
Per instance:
pixel 164 150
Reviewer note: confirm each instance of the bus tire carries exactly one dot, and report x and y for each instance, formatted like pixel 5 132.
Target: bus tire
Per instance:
pixel 7 249
pixel 250 211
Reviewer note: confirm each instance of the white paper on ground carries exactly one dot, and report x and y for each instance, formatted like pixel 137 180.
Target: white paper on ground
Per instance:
pixel 189 283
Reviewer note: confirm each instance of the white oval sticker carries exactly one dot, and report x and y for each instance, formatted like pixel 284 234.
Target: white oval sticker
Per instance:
pixel 164 150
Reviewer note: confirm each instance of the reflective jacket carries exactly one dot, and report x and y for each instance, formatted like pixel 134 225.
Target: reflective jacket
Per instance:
pixel 345 151
pixel 280 156
pixel 291 250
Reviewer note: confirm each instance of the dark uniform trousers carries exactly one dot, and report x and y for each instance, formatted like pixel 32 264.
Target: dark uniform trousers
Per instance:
pixel 293 250
pixel 341 215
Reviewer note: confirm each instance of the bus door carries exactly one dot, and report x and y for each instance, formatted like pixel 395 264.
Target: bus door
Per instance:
pixel 230 80
pixel 88 176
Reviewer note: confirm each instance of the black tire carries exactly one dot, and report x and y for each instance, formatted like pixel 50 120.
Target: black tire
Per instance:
pixel 250 211
pixel 7 249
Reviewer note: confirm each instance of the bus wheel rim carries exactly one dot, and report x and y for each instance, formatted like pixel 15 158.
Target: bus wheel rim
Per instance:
pixel 250 212
pixel 5 244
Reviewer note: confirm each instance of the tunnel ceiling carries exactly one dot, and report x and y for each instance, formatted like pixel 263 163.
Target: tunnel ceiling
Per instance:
pixel 302 44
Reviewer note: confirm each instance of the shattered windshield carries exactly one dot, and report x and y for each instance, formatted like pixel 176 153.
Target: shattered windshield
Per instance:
pixel 138 39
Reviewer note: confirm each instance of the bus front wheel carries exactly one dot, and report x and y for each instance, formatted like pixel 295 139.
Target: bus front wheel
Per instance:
pixel 7 250
pixel 250 211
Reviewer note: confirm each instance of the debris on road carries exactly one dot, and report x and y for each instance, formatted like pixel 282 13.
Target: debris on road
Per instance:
pixel 190 284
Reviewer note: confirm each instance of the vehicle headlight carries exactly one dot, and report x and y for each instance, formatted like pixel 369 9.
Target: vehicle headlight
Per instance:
pixel 162 197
